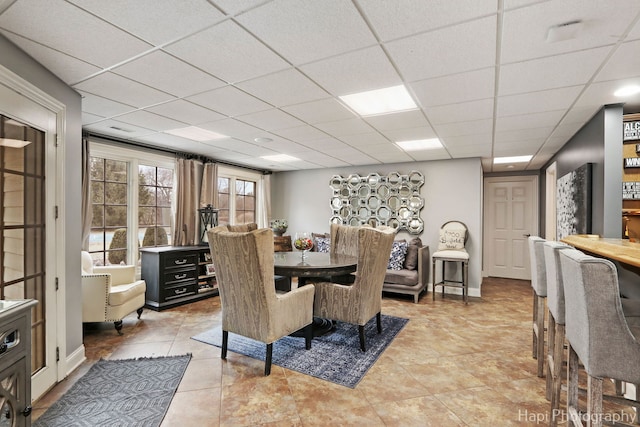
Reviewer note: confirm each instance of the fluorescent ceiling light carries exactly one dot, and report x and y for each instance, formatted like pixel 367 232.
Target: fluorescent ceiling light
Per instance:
pixel 627 90
pixel 13 143
pixel 380 101
pixel 280 158
pixel 420 144
pixel 195 133
pixel 514 159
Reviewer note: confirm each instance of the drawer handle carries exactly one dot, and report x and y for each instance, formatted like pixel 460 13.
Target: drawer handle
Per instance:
pixel 180 276
pixel 180 261
pixel 180 291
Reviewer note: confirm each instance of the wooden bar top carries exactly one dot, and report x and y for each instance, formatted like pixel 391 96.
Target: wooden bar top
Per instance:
pixel 621 250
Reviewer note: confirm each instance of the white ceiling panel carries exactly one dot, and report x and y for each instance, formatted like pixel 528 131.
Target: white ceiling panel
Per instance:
pixel 159 70
pixel 270 120
pixel 471 127
pixel 324 110
pixel 233 7
pixel 123 90
pixel 456 88
pixel 328 145
pixel 353 72
pixel 228 52
pixel 400 18
pixel 537 102
pixel 66 27
pixel 572 69
pixel 104 107
pixel 404 119
pixel 150 120
pixel 364 139
pixel 178 144
pixel 306 31
pixel 476 150
pixel 408 134
pixel 284 88
pixel 341 128
pixel 529 121
pixel 459 113
pixel 155 21
pixel 624 63
pixel 186 112
pixel 484 140
pixel 119 129
pixel 90 118
pixel 301 133
pixel 463 47
pixel 600 92
pixel 523 135
pixel 233 127
pixel 428 155
pixel 229 101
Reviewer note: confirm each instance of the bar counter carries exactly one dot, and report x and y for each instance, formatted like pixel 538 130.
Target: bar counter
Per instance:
pixel 621 250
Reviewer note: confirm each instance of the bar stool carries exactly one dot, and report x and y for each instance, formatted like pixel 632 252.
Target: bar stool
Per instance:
pixel 539 285
pixel 451 249
pixel 598 333
pixel 556 326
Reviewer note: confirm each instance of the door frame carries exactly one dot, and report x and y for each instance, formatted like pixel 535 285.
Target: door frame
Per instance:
pixel 535 219
pixel 26 95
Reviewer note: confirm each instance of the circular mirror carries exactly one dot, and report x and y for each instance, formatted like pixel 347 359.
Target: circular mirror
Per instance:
pixel 416 178
pixel 394 223
pixel 354 201
pixel 404 191
pixel 373 179
pixel 373 202
pixel 383 192
pixel 364 213
pixel 394 178
pixel 415 203
pixel 354 221
pixel 404 213
pixel 394 203
pixel 363 191
pixel 354 180
pixel 336 203
pixel 336 182
pixel 416 226
pixel 344 192
pixel 384 213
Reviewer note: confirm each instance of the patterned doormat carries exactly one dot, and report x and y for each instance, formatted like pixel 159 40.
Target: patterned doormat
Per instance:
pixel 131 392
pixel 334 357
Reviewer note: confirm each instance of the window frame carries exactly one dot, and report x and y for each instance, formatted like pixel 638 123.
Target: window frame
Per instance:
pixel 243 174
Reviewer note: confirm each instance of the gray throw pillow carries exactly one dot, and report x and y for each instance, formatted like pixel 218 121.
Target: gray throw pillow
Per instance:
pixel 411 259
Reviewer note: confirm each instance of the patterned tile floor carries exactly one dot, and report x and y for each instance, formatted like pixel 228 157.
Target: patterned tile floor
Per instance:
pixel 452 365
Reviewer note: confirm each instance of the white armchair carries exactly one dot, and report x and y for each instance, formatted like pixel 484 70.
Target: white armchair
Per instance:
pixel 110 293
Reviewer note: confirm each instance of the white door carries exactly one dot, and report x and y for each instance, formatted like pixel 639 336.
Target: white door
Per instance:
pixel 511 215
pixel 38 279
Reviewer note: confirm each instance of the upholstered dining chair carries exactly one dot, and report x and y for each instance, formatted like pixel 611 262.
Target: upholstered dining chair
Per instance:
pixel 242 228
pixel 539 286
pixel 344 239
pixel 360 302
pixel 598 333
pixel 451 250
pixel 250 305
pixel 109 293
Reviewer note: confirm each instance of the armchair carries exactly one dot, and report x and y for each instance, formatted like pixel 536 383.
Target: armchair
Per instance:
pixel 110 293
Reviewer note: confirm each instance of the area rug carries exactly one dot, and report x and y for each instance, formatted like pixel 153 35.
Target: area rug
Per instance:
pixel 334 357
pixel 127 393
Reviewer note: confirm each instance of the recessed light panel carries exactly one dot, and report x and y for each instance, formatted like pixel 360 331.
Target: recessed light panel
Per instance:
pixel 195 133
pixel 627 91
pixel 420 144
pixel 380 101
pixel 514 159
pixel 280 158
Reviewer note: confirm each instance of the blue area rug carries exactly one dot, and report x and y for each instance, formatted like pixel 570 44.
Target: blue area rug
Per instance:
pixel 126 393
pixel 334 357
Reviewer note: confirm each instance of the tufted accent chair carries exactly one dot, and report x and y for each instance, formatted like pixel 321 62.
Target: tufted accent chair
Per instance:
pixel 361 301
pixel 250 305
pixel 110 293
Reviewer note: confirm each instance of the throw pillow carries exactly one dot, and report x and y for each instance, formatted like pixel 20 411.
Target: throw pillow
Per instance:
pixel 398 254
pixel 314 236
pixel 322 244
pixel 452 239
pixel 411 259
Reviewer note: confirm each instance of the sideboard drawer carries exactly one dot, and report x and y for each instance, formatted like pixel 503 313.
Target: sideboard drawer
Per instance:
pixel 179 291
pixel 181 260
pixel 179 275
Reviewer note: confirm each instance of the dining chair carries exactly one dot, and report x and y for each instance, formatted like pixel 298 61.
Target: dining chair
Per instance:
pixel 250 305
pixel 539 286
pixel 360 302
pixel 344 239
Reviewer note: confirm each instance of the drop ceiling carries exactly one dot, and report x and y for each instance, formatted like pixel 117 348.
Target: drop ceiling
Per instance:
pixel 486 80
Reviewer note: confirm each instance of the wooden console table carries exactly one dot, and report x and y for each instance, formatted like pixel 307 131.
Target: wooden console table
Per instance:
pixel 621 250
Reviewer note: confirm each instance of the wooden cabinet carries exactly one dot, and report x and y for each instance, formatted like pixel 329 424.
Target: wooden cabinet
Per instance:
pixel 177 275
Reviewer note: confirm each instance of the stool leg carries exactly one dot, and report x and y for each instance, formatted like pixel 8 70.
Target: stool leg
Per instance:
pixel 465 282
pixel 540 335
pixel 433 273
pixel 594 402
pixel 550 348
pixel 534 351
pixel 444 272
pixel 572 389
pixel 556 375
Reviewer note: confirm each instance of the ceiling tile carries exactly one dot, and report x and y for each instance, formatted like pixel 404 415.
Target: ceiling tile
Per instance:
pixel 408 134
pixel 537 102
pixel 523 135
pixel 325 110
pixel 171 75
pixel 474 110
pixel 365 139
pixel 525 30
pixel 404 119
pixel 599 94
pixel 529 121
pixel 186 112
pixel 118 129
pixel 456 88
pixel 359 71
pixel 624 63
pixel 464 47
pixel 90 118
pixel 306 31
pixel 400 18
pixel 323 160
pixel 327 145
pixel 233 7
pixel 233 127
pixel 301 133
pixel 229 101
pixel 156 21
pixel 123 90
pixel 465 128
pixel 476 150
pixel 480 140
pixel 341 128
pixel 102 106
pixel 284 88
pixel 429 155
pixel 107 45
pixel 272 119
pixel 552 72
pixel 150 121
pixel 176 143
pixel 237 55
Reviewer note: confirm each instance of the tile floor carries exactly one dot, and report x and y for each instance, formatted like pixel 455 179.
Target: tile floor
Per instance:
pixel 452 365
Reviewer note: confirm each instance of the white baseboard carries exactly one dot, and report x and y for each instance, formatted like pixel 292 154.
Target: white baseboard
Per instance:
pixel 75 359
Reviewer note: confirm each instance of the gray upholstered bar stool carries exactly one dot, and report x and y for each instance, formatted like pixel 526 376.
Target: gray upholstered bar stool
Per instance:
pixel 451 250
pixel 598 333
pixel 539 285
pixel 556 326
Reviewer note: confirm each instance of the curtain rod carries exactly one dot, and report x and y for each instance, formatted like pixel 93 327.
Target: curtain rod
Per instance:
pixel 204 159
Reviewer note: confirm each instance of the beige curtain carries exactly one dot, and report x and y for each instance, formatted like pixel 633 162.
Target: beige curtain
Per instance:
pixel 263 201
pixel 188 175
pixel 209 190
pixel 87 211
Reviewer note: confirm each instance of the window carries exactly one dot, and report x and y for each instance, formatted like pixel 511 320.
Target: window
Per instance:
pixel 236 196
pixel 124 220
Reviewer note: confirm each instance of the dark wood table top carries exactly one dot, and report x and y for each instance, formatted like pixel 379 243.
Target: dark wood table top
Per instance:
pixel 314 264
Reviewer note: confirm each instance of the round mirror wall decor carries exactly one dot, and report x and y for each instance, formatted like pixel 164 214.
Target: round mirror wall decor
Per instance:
pixel 393 200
